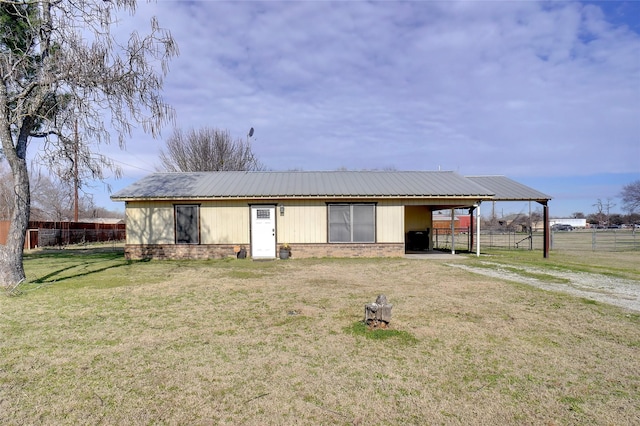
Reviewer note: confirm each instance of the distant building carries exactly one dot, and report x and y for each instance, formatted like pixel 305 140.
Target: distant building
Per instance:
pixel 576 223
pixel 442 221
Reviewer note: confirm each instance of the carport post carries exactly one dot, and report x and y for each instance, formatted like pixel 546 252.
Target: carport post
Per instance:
pixel 478 230
pixel 545 218
pixel 453 229
pixel 472 232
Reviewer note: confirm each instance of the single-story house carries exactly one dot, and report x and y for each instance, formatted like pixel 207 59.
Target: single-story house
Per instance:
pixel 318 214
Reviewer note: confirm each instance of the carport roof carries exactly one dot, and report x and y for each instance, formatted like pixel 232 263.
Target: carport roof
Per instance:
pixel 243 184
pixel 505 189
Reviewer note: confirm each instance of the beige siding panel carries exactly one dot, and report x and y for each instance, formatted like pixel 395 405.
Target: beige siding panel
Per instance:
pixel 306 222
pixel 302 222
pixel 390 222
pixel 417 218
pixel 225 222
pixel 149 222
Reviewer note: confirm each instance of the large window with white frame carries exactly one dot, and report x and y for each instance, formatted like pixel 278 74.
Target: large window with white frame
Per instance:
pixel 352 223
pixel 187 222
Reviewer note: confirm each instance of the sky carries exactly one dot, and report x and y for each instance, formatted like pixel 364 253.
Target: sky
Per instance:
pixel 546 93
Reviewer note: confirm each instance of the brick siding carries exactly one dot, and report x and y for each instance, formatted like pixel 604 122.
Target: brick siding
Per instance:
pixel 298 251
pixel 301 251
pixel 178 251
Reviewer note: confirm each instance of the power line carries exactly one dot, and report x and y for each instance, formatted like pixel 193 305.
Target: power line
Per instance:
pixel 131 165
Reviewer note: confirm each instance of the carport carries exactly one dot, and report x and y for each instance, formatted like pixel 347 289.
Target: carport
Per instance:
pixel 505 189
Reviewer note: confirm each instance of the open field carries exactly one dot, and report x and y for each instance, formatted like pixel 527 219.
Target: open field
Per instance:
pixel 579 240
pixel 94 339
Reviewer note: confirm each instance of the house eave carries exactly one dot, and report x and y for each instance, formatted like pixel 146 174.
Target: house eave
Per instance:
pixel 472 197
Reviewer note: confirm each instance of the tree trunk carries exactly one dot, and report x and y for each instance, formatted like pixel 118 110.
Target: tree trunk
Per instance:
pixel 11 268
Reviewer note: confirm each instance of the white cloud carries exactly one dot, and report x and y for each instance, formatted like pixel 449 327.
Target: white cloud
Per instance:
pixel 516 88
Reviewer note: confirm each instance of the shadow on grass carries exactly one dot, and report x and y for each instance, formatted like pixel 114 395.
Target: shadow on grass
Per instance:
pixel 47 279
pixel 47 253
pixel 94 263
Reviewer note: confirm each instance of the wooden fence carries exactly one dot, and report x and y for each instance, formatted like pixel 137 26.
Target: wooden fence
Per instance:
pixel 43 234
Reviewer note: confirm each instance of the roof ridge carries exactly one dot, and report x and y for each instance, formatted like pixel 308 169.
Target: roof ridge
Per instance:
pixel 306 171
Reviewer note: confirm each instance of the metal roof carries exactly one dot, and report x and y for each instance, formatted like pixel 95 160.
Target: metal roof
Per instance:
pixel 506 189
pixel 296 184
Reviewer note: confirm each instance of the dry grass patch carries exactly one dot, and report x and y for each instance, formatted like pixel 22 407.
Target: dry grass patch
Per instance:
pixel 614 264
pixel 100 340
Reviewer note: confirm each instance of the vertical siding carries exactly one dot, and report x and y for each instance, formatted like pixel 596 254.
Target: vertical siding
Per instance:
pixel 390 222
pixel 306 222
pixel 149 222
pixel 224 222
pixel 303 222
pixel 417 218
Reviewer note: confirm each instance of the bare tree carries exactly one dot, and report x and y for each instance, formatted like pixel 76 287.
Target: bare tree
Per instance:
pixel 74 163
pixel 600 215
pixel 631 196
pixel 207 149
pixel 51 197
pixel 61 67
pixel 604 210
pixel 93 212
pixel 536 218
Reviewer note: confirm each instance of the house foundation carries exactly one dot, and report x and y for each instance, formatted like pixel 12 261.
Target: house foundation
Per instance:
pixel 298 251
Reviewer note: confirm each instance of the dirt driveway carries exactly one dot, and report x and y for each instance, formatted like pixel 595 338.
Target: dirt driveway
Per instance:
pixel 602 288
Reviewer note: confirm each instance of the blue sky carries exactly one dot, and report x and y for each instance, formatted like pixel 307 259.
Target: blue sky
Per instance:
pixel 546 93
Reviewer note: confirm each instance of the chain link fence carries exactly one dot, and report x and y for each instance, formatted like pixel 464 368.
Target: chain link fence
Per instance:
pixel 609 240
pixel 596 240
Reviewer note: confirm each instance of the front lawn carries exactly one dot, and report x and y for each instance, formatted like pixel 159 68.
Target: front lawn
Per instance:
pixel 95 339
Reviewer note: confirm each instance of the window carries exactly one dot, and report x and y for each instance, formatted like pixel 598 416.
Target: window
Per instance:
pixel 187 219
pixel 263 214
pixel 352 223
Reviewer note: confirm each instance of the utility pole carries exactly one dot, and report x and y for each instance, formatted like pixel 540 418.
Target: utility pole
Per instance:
pixel 76 182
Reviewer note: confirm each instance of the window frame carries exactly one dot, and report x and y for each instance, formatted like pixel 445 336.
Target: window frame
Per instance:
pixel 196 208
pixel 351 223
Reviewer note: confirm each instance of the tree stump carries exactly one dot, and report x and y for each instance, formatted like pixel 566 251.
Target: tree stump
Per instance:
pixel 378 313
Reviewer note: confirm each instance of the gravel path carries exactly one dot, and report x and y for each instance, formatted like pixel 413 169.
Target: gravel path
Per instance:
pixel 615 291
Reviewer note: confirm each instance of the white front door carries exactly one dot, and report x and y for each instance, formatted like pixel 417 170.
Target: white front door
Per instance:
pixel 263 232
